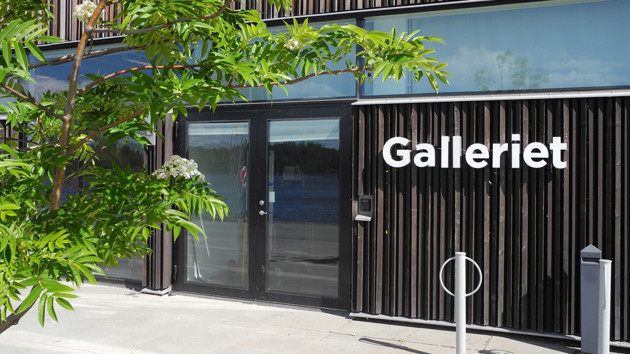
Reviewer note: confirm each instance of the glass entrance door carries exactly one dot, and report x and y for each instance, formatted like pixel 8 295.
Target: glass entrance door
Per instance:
pixel 283 180
pixel 302 233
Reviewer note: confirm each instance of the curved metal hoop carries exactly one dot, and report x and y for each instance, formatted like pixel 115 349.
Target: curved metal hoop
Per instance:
pixel 478 270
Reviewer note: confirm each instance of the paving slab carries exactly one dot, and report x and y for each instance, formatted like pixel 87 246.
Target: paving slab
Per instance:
pixel 111 319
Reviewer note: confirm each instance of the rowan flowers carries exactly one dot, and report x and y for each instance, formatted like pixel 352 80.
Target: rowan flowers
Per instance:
pixel 84 11
pixel 177 166
pixel 292 44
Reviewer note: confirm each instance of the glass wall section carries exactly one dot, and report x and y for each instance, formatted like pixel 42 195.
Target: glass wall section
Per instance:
pixel 124 154
pixel 222 152
pixel 540 45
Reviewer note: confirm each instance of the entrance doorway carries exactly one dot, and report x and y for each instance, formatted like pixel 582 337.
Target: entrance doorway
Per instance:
pixel 285 174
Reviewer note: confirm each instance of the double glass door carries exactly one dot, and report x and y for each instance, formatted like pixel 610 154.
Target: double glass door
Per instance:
pixel 281 178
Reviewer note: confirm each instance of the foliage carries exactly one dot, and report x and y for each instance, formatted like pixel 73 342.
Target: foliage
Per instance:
pixel 200 52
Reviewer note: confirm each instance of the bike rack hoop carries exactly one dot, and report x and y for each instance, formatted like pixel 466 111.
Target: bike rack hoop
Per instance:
pixel 476 266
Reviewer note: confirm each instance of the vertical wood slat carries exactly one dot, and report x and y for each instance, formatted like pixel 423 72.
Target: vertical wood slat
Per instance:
pixel 360 138
pixel 524 226
pixel 67 27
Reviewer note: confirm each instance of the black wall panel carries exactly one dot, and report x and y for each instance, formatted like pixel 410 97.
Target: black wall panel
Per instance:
pixel 525 227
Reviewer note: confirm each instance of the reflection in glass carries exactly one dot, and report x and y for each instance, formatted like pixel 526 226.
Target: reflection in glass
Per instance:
pixel 222 152
pixel 525 46
pixel 303 195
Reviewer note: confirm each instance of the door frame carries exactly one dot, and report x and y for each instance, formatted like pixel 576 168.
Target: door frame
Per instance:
pixel 257 115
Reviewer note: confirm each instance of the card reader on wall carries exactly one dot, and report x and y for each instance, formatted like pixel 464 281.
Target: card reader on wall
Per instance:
pixel 365 208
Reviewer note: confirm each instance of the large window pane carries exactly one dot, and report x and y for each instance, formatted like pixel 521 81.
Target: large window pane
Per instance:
pixel 542 45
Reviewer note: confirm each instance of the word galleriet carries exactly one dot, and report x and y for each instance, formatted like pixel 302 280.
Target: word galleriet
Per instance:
pixel 477 155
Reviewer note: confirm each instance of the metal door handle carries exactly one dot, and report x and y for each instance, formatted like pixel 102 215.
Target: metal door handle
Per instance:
pixel 262 212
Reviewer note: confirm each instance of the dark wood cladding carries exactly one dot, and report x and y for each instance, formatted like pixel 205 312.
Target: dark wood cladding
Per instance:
pixel 316 7
pixel 524 227
pixel 70 29
pixel 159 264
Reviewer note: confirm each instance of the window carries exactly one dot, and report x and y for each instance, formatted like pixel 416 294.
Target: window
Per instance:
pixel 529 46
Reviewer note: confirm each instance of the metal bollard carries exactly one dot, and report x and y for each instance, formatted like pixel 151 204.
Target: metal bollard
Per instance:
pixel 460 300
pixel 603 342
pixel 460 296
pixel 589 297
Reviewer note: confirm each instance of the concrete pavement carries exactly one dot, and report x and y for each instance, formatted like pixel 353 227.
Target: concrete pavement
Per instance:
pixel 110 319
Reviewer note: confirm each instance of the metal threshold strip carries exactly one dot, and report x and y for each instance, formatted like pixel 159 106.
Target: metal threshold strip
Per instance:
pixel 360 315
pixel 493 97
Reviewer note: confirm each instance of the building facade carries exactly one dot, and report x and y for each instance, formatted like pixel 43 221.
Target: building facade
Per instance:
pixel 320 217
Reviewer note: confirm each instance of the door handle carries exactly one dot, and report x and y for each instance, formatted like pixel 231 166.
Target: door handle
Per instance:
pixel 262 212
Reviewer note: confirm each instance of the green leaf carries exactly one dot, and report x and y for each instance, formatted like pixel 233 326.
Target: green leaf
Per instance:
pixel 30 299
pixel 64 303
pixel 21 56
pixel 8 149
pixel 54 286
pixel 87 273
pixel 51 309
pixel 41 309
pixel 7 53
pixel 95 268
pixel 37 53
pixel 50 39
pixel 29 282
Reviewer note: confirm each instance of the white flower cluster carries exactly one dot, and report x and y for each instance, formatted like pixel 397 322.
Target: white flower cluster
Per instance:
pixel 177 166
pixel 292 44
pixel 84 11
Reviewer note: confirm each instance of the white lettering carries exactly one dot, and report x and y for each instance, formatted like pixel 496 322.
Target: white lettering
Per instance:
pixel 405 155
pixel 425 156
pixel 516 151
pixel 497 150
pixel 556 148
pixel 529 155
pixel 472 155
pixel 444 159
pixel 457 151
pixel 535 154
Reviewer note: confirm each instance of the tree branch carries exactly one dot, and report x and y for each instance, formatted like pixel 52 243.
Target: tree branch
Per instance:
pixel 295 81
pixel 14 318
pixel 55 197
pixel 70 57
pixel 156 28
pixel 126 71
pixel 146 67
pixel 104 128
pixel 31 101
